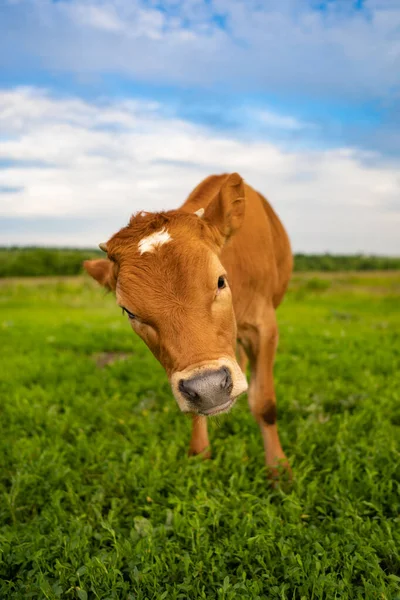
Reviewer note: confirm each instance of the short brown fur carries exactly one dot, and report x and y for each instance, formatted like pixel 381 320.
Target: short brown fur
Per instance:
pixel 253 247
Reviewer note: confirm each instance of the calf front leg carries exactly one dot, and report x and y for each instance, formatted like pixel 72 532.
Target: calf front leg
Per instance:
pixel 199 443
pixel 262 399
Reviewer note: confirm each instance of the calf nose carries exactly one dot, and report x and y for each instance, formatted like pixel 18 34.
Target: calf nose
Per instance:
pixel 208 389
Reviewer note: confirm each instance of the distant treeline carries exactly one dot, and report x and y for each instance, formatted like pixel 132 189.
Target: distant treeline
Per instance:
pixel 344 262
pixel 21 262
pixel 31 262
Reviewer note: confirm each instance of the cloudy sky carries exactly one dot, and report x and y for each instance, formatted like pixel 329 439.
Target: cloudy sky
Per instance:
pixel 112 106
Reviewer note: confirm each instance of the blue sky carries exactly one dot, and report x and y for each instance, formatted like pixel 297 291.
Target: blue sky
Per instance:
pixel 300 97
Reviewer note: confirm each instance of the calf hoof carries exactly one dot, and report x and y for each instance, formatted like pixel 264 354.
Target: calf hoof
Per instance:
pixel 205 453
pixel 280 472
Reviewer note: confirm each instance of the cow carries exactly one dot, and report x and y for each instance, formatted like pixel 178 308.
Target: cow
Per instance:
pixel 200 285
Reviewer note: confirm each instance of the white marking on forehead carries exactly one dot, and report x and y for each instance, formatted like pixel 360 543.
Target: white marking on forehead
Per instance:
pixel 154 240
pixel 199 212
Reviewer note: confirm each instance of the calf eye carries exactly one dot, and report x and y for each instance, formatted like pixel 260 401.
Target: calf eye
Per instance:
pixel 221 282
pixel 130 315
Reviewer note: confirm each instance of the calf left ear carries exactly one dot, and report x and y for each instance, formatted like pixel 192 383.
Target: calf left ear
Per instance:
pixel 226 211
pixel 102 271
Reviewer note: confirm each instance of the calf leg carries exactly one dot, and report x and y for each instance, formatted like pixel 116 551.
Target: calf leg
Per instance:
pixel 262 398
pixel 199 443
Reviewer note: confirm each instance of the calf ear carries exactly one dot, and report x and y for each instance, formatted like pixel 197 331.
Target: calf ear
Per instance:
pixel 226 210
pixel 102 271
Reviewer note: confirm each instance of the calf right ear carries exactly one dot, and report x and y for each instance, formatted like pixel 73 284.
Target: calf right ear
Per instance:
pixel 102 270
pixel 226 210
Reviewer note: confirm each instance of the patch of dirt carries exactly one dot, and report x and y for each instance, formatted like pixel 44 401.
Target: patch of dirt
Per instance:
pixel 102 359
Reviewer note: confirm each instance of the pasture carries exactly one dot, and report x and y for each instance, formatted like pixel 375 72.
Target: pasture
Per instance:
pixel 100 501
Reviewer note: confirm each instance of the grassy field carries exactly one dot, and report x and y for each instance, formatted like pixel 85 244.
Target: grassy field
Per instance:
pixel 98 497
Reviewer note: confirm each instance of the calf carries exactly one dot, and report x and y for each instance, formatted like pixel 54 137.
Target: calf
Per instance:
pixel 196 280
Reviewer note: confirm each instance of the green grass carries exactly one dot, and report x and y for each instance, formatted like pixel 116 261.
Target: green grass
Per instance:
pixel 98 497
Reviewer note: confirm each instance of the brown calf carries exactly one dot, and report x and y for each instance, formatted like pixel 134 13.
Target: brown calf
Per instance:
pixel 193 282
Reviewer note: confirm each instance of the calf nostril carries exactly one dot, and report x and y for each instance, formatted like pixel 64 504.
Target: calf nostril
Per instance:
pixel 226 383
pixel 187 391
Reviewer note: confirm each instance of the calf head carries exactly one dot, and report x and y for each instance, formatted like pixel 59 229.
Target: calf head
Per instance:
pixel 168 279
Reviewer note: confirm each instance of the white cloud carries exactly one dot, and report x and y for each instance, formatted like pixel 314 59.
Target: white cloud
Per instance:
pixel 276 121
pixel 96 16
pixel 270 46
pixel 69 161
pixel 129 20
